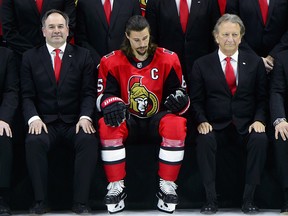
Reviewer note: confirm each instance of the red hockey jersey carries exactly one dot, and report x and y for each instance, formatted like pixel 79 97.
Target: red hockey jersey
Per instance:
pixel 143 86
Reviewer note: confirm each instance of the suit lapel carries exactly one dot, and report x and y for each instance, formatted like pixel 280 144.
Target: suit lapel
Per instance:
pixel 115 10
pixel 101 14
pixel 66 62
pixel 216 66
pixel 242 62
pixel 270 10
pixel 45 58
pixel 194 10
pixel 33 6
pixel 258 10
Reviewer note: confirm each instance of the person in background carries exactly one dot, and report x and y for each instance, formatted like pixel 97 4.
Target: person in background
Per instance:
pixel 58 94
pixel 184 27
pixel 21 22
pixel 142 81
pixel 278 110
pixel 228 93
pixel 9 99
pixel 101 24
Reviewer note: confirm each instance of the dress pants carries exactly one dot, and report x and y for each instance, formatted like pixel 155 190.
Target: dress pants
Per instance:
pixel 85 147
pixel 254 143
pixel 281 157
pixel 6 159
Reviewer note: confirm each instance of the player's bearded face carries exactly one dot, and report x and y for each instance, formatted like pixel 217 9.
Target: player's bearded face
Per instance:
pixel 139 41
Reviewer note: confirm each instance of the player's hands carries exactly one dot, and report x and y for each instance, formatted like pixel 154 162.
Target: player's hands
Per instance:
pixel 204 128
pixel 36 127
pixel 114 111
pixel 282 129
pixel 86 125
pixel 4 127
pixel 176 102
pixel 257 126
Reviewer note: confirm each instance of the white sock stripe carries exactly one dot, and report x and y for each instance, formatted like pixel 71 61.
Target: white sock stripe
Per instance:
pixel 171 156
pixel 172 143
pixel 113 155
pixel 111 142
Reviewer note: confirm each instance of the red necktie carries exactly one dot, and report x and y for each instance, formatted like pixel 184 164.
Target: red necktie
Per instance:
pixel 107 9
pixel 39 4
pixel 264 10
pixel 222 6
pixel 184 14
pixel 230 76
pixel 57 64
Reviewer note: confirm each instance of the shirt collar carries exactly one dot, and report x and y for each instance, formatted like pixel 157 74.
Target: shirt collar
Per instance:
pixel 51 49
pixel 222 56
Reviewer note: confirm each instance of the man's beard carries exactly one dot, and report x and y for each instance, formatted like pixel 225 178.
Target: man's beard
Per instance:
pixel 141 53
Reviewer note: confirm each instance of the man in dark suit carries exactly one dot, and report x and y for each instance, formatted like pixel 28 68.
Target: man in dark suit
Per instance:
pixel 229 111
pixel 59 109
pixel 196 41
pixel 22 22
pixel 9 85
pixel 272 31
pixel 95 33
pixel 278 109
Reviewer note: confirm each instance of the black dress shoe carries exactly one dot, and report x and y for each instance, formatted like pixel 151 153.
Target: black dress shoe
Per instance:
pixel 249 207
pixel 4 208
pixel 39 207
pixel 284 208
pixel 80 208
pixel 210 207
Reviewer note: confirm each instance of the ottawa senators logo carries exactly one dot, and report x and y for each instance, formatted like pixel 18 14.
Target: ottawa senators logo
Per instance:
pixel 143 103
pixel 143 6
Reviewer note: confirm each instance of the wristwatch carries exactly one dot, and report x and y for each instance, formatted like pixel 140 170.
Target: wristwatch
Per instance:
pixel 278 121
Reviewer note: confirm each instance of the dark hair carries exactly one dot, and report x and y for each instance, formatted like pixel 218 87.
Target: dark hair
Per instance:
pixel 136 23
pixel 48 13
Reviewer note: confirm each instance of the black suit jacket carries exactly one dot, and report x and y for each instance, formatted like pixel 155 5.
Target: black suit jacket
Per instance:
pixel 75 94
pixel 279 87
pixel 271 38
pixel 22 22
pixel 9 85
pixel 212 101
pixel 93 31
pixel 167 32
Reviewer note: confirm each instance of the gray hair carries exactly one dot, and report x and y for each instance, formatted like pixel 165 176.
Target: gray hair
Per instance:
pixel 229 18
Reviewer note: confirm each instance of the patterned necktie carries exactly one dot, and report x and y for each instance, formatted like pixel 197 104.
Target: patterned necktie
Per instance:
pixel 39 4
pixel 230 76
pixel 107 9
pixel 264 10
pixel 57 64
pixel 222 6
pixel 184 14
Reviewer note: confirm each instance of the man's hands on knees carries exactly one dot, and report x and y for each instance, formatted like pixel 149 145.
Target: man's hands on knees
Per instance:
pixel 86 125
pixel 114 111
pixel 4 127
pixel 37 126
pixel 177 101
pixel 204 128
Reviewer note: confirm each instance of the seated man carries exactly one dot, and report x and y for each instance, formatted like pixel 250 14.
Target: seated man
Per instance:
pixel 146 82
pixel 9 85
pixel 58 93
pixel 228 95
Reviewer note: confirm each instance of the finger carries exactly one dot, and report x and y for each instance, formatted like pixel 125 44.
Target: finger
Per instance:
pixel 1 131
pixel 276 134
pixel 77 128
pixel 282 135
pixel 250 129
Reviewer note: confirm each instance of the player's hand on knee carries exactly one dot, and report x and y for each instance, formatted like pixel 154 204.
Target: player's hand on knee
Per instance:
pixel 114 111
pixel 177 101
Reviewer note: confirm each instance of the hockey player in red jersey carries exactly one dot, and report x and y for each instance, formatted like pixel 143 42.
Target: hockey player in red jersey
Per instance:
pixel 141 83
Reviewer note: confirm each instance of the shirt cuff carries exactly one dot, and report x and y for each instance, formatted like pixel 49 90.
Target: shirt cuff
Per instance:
pixel 86 117
pixel 33 119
